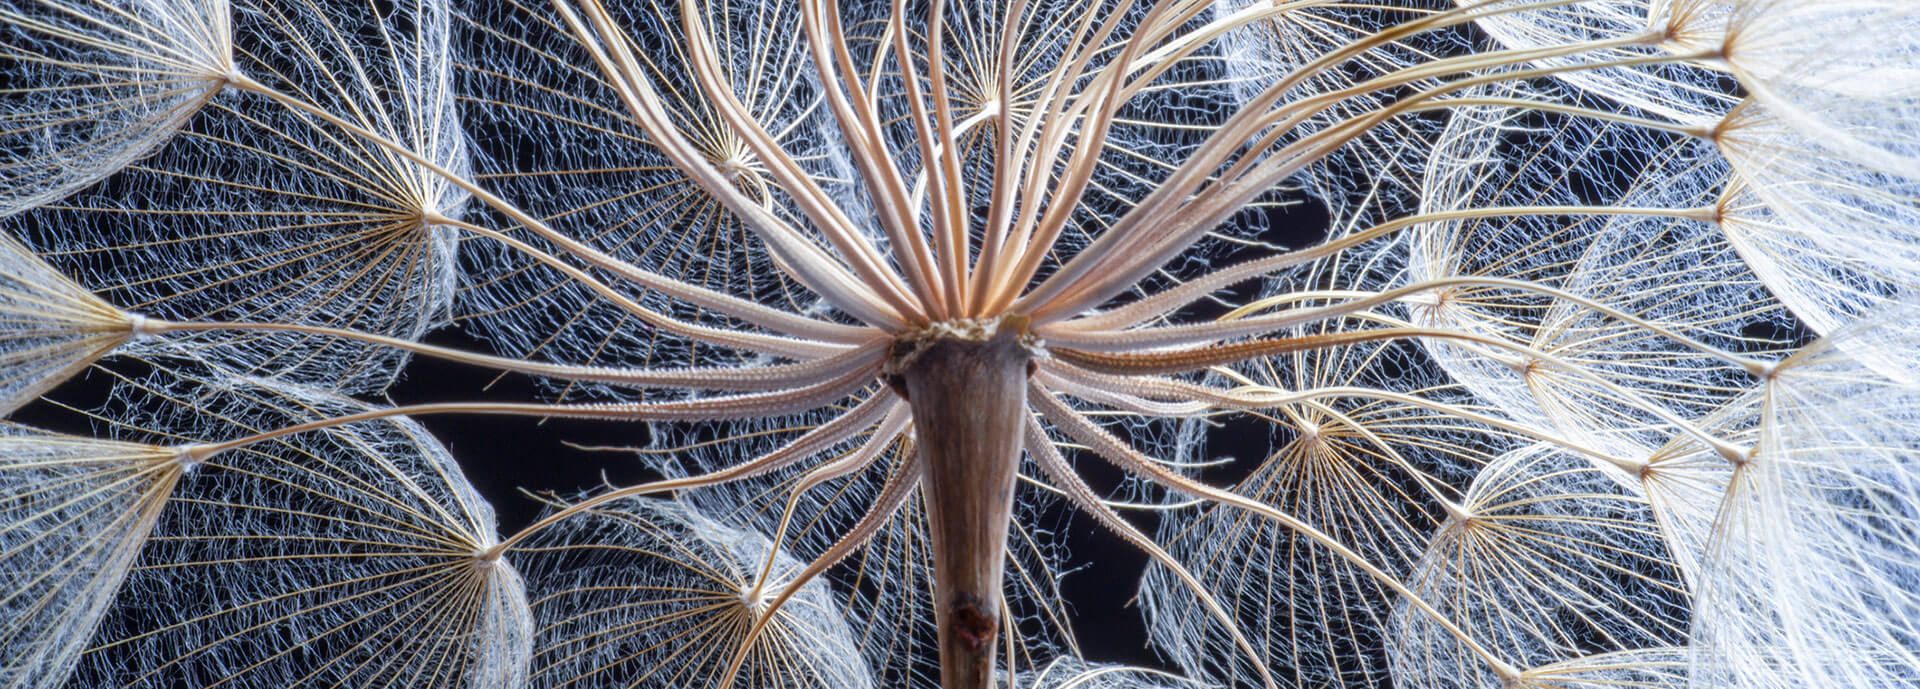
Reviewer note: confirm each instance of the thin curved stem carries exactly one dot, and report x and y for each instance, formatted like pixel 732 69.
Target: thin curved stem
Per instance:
pixel 900 486
pixel 1256 397
pixel 733 407
pixel 1122 401
pixel 1177 190
pixel 884 435
pixel 1176 220
pixel 1242 327
pixel 840 429
pixel 1131 461
pixel 738 379
pixel 1190 360
pixel 859 253
pixel 771 319
pixel 894 205
pixel 1077 491
pixel 1174 298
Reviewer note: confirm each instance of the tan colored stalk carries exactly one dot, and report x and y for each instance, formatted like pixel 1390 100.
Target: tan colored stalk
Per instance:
pixel 740 379
pixel 1181 207
pixel 969 407
pixel 748 406
pixel 1194 290
pixel 1360 301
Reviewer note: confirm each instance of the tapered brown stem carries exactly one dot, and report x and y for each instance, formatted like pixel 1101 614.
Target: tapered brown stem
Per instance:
pixel 969 404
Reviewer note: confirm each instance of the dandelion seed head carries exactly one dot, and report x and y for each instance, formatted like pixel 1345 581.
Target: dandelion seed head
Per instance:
pixel 1591 368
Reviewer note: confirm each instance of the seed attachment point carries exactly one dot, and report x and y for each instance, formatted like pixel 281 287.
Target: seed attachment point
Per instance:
pixel 192 456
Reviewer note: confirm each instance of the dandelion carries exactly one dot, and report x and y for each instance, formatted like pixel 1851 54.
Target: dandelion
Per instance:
pixel 1550 560
pixel 1596 377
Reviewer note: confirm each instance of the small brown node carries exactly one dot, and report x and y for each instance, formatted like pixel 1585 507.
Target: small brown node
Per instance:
pixel 975 629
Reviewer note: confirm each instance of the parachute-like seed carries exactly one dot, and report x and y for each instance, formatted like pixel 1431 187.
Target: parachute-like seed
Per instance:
pixel 92 85
pixel 74 513
pixel 1659 266
pixel 1840 72
pixel 1685 482
pixel 1826 286
pixel 1810 577
pixel 1854 224
pixel 353 555
pixel 1376 474
pixel 1547 560
pixel 1679 91
pixel 643 592
pixel 257 211
pixel 50 328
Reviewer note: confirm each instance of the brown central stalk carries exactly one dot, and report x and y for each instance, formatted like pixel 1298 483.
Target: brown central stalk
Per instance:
pixel 969 401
